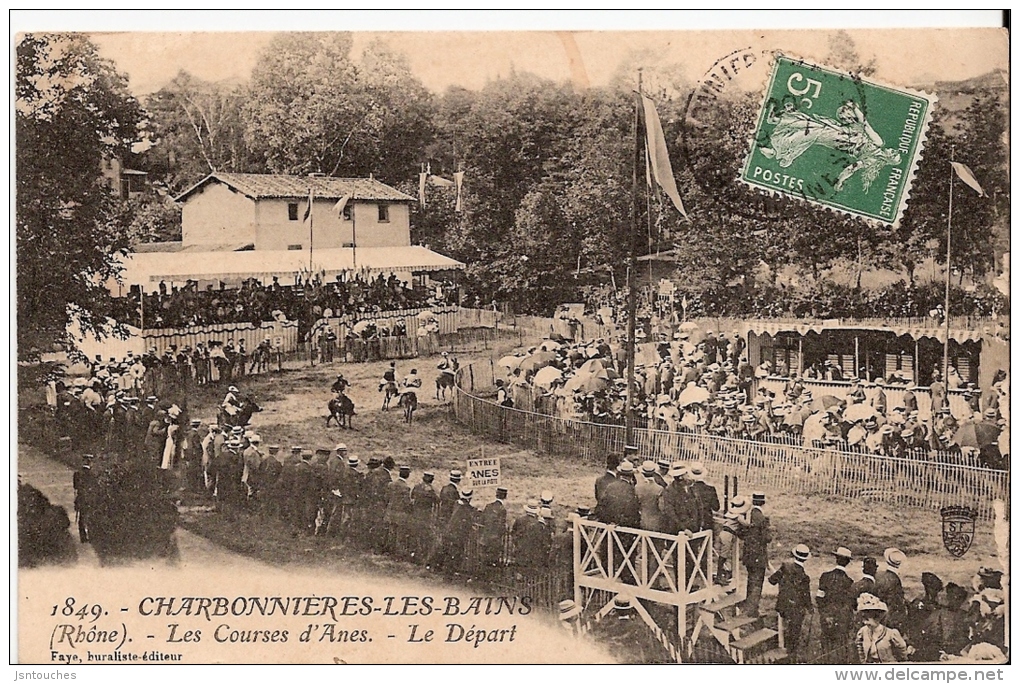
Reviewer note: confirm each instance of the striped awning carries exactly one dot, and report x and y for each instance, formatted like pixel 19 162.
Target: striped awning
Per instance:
pixel 914 332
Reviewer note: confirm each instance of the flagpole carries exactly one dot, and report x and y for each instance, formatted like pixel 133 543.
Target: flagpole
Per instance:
pixel 311 229
pixel 354 233
pixel 631 272
pixel 949 270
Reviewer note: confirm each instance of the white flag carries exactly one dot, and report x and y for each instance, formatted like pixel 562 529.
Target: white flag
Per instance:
pixel 341 205
pixel 967 177
pixel 458 179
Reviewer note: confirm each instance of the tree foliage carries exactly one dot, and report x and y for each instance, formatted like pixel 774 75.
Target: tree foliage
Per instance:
pixel 72 111
pixel 547 197
pixel 313 108
pixel 196 128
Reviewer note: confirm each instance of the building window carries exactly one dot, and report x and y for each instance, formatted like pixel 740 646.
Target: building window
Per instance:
pixel 292 211
pixel 347 211
pixel 294 248
pixel 384 213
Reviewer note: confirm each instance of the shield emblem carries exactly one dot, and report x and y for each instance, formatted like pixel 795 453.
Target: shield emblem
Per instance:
pixel 958 529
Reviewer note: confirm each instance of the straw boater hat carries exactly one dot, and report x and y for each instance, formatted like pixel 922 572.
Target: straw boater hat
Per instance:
pixel 648 468
pixel 697 471
pixel 843 552
pixel 569 609
pixel 894 558
pixel 801 552
pixel 739 505
pixel 677 469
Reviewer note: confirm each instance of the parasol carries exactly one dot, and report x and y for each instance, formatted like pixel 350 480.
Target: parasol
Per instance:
pixel 536 361
pixel 688 326
pixel 597 367
pixel 510 362
pixel 859 412
pixel 549 345
pixel 360 327
pixel 586 383
pixel 692 394
pixel 825 402
pixel 426 315
pixel 545 376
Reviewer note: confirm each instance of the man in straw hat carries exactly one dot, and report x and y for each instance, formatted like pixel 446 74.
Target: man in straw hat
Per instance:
pixel 794 601
pixel 889 587
pixel 704 495
pixel 619 503
pixel 836 603
pixel 648 491
pixel 753 527
pixel 493 529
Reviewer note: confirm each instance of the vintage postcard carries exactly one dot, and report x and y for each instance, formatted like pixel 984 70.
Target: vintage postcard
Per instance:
pixel 513 347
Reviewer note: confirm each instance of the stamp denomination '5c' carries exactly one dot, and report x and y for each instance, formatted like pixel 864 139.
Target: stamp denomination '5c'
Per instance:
pixel 837 140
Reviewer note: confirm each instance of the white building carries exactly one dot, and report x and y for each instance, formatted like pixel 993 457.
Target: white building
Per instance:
pixel 242 225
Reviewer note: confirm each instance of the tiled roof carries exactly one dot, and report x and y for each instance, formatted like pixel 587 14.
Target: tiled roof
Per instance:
pixel 270 186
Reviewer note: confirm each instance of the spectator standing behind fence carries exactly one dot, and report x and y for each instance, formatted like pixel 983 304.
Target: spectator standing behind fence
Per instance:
pixel 424 502
pixel 889 588
pixel 794 601
pixel 753 528
pixel 619 504
pixel 493 529
pixel 836 603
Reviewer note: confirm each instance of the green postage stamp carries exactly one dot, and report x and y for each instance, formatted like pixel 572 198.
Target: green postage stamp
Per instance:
pixel 838 140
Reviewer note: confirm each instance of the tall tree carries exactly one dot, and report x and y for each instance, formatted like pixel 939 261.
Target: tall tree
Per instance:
pixel 195 128
pixel 313 107
pixel 72 111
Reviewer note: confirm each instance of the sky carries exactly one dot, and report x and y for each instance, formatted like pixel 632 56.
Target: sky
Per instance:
pixel 441 58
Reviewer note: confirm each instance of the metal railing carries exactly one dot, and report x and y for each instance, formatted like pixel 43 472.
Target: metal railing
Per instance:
pixel 771 466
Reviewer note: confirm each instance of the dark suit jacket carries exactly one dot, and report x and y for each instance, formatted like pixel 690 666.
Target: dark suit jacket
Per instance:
pixel 601 483
pixel 680 508
pixel 889 588
pixel 619 505
pixel 493 521
pixel 706 498
pixel 794 589
pixel 755 537
pixel 835 596
pixel 865 585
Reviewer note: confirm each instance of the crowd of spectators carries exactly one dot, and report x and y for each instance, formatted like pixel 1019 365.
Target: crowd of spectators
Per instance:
pixel 700 383
pixel 310 299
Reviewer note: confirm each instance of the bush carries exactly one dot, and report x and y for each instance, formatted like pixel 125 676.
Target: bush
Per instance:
pixel 134 515
pixel 43 534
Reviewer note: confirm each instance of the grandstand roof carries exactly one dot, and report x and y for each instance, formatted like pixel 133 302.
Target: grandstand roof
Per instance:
pixel 148 269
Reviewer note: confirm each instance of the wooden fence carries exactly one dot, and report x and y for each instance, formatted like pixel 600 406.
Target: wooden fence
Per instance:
pixel 771 466
pixel 284 335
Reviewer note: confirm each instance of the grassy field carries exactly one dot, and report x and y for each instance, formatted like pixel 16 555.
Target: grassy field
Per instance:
pixel 294 404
